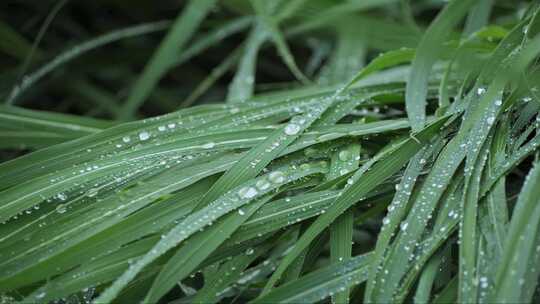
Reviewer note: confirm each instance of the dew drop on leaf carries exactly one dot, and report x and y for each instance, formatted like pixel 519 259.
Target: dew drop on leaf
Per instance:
pixel 208 145
pixel 40 295
pixel 262 184
pixel 344 155
pixel 292 129
pixel 61 208
pixel 144 135
pixel 403 226
pixel 276 177
pixel 247 192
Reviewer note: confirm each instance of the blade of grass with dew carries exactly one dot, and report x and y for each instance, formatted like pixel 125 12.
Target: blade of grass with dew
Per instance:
pixel 283 212
pixel 232 199
pixel 518 271
pixel 181 31
pixel 322 283
pixel 161 215
pixel 103 269
pixel 108 212
pixel 363 181
pixel 100 144
pixel 197 248
pixel 429 194
pixel 445 225
pixel 149 160
pixel 396 211
pixel 341 231
pixel 261 155
pixel 477 149
pixel 228 273
pixel 467 290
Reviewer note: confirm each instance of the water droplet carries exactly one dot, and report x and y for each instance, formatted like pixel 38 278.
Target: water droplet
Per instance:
pixel 491 120
pixel 250 251
pixel 403 226
pixel 498 102
pixel 41 295
pixel 61 208
pixel 208 145
pixel 483 282
pixel 386 221
pixel 262 184
pixel 480 91
pixel 172 125
pixel 247 192
pixel 305 167
pixel 61 196
pixel 276 177
pixel 144 135
pixel 344 155
pixel 126 139
pixel 241 212
pixel 292 129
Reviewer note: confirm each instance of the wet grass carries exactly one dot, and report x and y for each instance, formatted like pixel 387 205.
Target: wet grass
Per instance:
pixel 270 152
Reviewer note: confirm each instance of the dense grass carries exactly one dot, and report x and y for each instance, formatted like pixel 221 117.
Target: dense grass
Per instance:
pixel 376 151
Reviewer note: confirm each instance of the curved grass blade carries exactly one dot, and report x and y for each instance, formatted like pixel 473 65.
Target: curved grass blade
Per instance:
pixel 517 273
pixel 341 231
pixel 183 28
pixel 396 211
pixel 233 199
pixel 198 248
pixel 364 180
pixel 426 54
pixel 322 283
pixel 241 88
pixel 80 49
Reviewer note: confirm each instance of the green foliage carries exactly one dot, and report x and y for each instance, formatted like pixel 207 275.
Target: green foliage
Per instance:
pixel 295 152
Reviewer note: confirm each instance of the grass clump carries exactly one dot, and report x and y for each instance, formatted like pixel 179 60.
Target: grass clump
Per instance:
pixel 363 151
